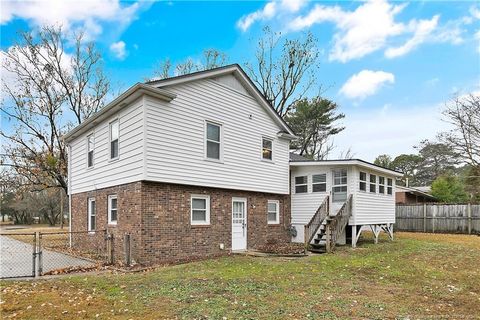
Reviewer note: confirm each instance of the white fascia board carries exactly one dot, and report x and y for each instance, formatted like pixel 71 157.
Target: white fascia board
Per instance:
pixel 132 94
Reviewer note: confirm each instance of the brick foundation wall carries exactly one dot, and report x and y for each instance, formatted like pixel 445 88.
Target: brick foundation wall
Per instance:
pixel 157 215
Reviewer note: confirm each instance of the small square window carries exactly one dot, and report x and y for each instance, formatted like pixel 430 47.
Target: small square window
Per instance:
pixel 273 212
pixel 373 183
pixel 389 186
pixel 200 210
pixel 301 184
pixel 319 182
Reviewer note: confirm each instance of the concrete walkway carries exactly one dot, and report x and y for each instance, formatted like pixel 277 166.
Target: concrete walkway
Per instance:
pixel 16 258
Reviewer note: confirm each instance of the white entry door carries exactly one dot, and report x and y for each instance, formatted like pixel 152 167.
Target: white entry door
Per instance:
pixel 239 224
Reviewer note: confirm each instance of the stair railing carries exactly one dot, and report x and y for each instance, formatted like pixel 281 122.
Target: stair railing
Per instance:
pixel 336 225
pixel 312 226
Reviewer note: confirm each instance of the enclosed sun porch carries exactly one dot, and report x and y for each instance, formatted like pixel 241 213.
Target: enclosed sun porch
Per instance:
pixel 333 201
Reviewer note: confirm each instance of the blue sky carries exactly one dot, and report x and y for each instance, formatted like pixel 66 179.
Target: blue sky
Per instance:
pixel 391 66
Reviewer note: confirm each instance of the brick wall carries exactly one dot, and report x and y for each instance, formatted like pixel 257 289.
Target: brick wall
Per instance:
pixel 157 215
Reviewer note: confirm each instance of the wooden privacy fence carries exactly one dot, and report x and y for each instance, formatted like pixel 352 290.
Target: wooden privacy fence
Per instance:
pixel 446 218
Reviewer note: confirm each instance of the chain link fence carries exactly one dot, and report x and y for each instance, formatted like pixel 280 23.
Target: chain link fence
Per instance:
pixel 42 253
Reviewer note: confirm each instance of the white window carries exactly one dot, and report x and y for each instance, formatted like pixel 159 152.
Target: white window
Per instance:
pixel 319 182
pixel 339 190
pixel 381 185
pixel 92 214
pixel 373 183
pixel 389 186
pixel 213 134
pixel 267 149
pixel 90 148
pixel 301 184
pixel 363 181
pixel 273 212
pixel 200 210
pixel 112 209
pixel 114 135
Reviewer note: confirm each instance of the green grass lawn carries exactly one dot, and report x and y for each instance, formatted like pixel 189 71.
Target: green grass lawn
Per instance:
pixel 416 276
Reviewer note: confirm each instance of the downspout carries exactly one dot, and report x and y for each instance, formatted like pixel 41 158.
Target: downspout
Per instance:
pixel 69 172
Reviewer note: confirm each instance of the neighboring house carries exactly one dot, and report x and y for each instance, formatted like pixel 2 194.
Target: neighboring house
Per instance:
pixel 198 165
pixel 367 189
pixel 405 195
pixel 190 166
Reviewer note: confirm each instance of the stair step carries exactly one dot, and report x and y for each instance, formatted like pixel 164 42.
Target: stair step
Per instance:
pixel 317 250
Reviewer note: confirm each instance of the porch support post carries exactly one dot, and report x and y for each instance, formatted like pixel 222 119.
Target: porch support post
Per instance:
pixel 376 232
pixel 354 236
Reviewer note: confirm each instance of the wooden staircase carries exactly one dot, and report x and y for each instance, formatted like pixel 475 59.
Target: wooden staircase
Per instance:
pixel 323 230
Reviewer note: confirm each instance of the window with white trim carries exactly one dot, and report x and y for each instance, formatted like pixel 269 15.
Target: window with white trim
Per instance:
pixel 92 214
pixel 200 210
pixel 213 141
pixel 381 185
pixel 319 182
pixel 112 209
pixel 114 136
pixel 389 186
pixel 339 189
pixel 301 184
pixel 373 183
pixel 363 181
pixel 267 149
pixel 273 212
pixel 90 148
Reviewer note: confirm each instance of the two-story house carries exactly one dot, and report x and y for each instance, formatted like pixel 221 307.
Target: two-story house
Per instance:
pixel 190 166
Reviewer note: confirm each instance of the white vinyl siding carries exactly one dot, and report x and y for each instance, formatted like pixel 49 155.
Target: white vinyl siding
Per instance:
pixel 273 212
pixel 200 210
pixel 176 140
pixel 105 172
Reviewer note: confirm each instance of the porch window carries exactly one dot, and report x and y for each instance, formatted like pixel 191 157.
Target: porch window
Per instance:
pixel 114 135
pixel 319 182
pixel 92 214
pixel 90 148
pixel 339 190
pixel 213 141
pixel 373 183
pixel 389 186
pixel 200 210
pixel 112 209
pixel 301 184
pixel 273 212
pixel 363 181
pixel 267 149
pixel 381 185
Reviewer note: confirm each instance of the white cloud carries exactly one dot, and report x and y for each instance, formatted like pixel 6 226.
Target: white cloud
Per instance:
pixel 72 15
pixel 366 83
pixel 118 49
pixel 422 30
pixel 359 32
pixel 271 9
pixel 372 26
pixel 392 130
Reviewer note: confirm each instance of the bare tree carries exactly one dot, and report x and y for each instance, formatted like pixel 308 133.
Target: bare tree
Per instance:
pixel 284 70
pixel 464 114
pixel 210 59
pixel 46 91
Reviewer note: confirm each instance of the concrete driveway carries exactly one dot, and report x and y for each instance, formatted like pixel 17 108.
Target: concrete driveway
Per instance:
pixel 16 258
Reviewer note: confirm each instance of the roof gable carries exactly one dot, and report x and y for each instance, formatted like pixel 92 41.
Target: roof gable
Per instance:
pixel 234 77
